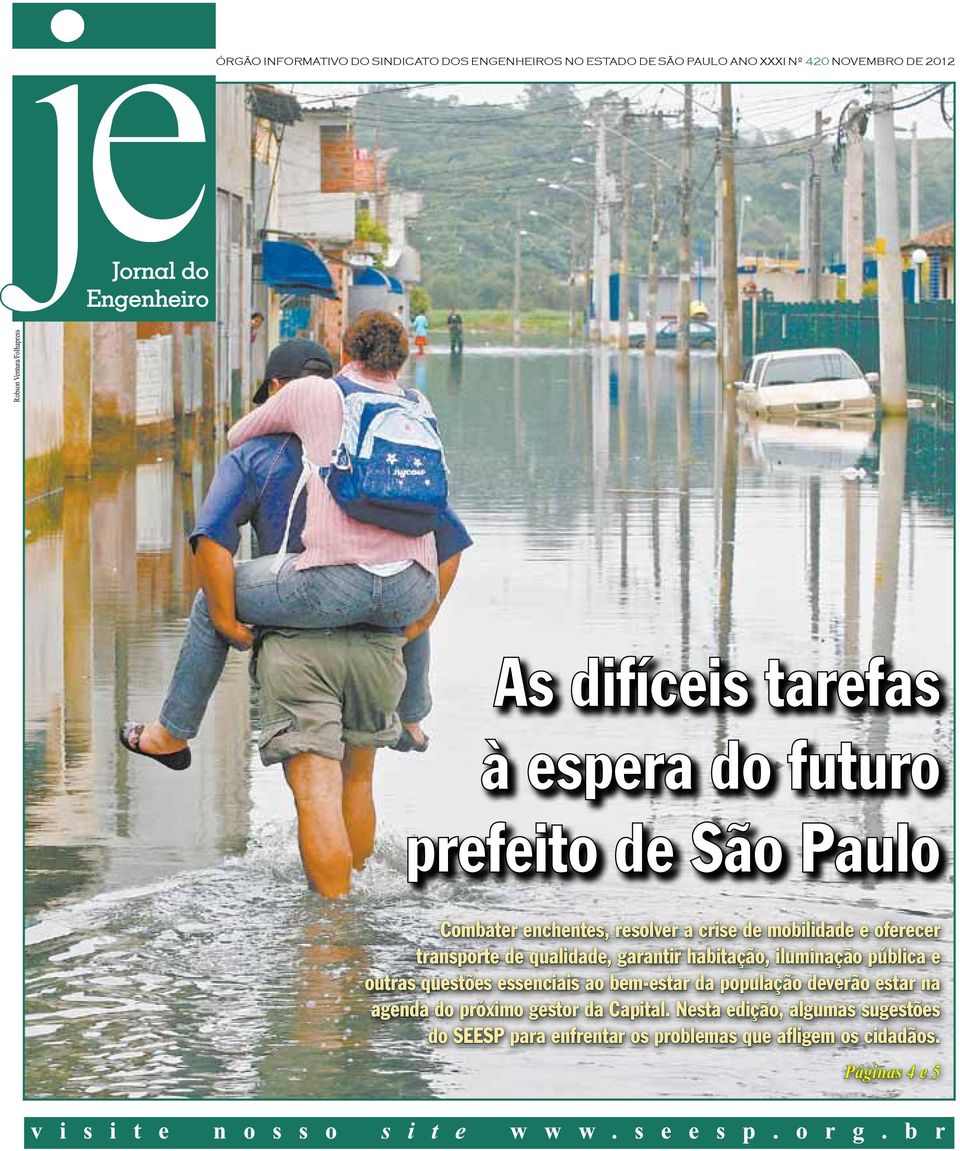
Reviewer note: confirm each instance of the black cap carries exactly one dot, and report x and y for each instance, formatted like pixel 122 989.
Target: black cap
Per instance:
pixel 291 360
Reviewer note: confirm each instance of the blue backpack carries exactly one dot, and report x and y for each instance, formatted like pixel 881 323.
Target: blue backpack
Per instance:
pixel 388 467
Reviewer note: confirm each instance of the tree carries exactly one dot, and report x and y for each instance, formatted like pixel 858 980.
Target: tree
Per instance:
pixel 558 98
pixel 367 230
pixel 419 301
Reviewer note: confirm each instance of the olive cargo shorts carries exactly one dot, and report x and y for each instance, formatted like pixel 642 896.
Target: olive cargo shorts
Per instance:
pixel 320 690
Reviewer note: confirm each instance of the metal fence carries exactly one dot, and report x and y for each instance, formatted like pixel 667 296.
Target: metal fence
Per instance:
pixel 769 325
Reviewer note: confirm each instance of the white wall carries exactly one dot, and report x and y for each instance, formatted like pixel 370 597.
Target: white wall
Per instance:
pixel 233 138
pixel 330 216
pixel 300 157
pixel 43 388
pixel 154 380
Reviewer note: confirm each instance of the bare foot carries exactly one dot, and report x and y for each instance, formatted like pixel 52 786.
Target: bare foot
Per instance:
pixel 156 740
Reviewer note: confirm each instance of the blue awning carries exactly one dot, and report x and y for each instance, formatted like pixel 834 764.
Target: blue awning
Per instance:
pixel 296 269
pixel 373 278
pixel 369 278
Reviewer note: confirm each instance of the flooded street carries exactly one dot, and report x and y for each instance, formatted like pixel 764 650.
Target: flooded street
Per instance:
pixel 172 947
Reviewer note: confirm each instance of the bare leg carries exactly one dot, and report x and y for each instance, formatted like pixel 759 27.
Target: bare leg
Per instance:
pixel 359 812
pixel 325 847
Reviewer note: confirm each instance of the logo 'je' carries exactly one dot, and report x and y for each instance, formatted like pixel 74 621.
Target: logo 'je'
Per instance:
pixel 124 216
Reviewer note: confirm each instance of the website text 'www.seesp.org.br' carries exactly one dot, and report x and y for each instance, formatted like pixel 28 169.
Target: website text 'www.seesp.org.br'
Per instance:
pixel 660 1132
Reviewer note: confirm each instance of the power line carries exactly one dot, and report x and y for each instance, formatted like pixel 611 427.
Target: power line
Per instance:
pixel 896 106
pixel 948 120
pixel 337 96
pixel 467 116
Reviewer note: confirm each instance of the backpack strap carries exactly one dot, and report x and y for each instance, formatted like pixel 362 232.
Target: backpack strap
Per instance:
pixel 346 385
pixel 349 387
pixel 309 468
pixel 305 470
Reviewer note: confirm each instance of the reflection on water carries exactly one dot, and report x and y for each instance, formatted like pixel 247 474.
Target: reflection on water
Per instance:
pixel 172 947
pixel 109 581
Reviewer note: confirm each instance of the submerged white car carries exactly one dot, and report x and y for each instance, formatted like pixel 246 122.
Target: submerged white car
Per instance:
pixel 805 382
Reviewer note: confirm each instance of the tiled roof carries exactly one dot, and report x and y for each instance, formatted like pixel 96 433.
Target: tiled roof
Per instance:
pixel 939 237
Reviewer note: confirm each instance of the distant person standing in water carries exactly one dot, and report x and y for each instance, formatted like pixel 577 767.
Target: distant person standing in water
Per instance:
pixel 455 328
pixel 420 327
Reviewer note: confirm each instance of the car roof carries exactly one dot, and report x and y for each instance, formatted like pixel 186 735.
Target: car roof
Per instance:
pixel 790 352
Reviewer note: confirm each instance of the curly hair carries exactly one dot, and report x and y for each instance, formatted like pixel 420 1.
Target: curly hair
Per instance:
pixel 378 341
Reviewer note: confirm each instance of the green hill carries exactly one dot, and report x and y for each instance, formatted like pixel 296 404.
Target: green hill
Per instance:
pixel 481 167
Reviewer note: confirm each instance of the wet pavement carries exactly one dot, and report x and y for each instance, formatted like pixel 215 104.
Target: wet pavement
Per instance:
pixel 172 949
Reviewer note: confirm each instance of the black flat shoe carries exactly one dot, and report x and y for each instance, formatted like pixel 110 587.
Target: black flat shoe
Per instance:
pixel 406 742
pixel 130 738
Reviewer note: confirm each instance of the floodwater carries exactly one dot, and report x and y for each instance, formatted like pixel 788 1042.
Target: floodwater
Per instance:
pixel 172 947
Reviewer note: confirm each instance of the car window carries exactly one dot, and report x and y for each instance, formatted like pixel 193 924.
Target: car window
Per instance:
pixel 756 367
pixel 670 327
pixel 747 369
pixel 810 368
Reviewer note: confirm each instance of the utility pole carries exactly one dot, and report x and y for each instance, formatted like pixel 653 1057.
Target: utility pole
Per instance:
pixel 805 227
pixel 728 233
pixel 816 207
pixel 572 288
pixel 893 357
pixel 686 162
pixel 377 206
pixel 624 293
pixel 718 255
pixel 853 203
pixel 914 183
pixel 653 256
pixel 601 235
pixel 516 278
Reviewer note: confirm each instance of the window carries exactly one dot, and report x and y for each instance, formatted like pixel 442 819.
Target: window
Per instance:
pixel 810 369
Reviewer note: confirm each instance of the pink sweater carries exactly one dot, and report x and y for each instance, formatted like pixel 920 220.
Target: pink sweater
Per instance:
pixel 311 409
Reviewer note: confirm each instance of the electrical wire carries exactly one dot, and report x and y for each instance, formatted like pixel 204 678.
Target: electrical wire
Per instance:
pixel 338 96
pixel 896 106
pixel 943 107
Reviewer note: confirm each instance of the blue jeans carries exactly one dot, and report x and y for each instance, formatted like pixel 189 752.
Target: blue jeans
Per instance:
pixel 317 597
pixel 415 703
